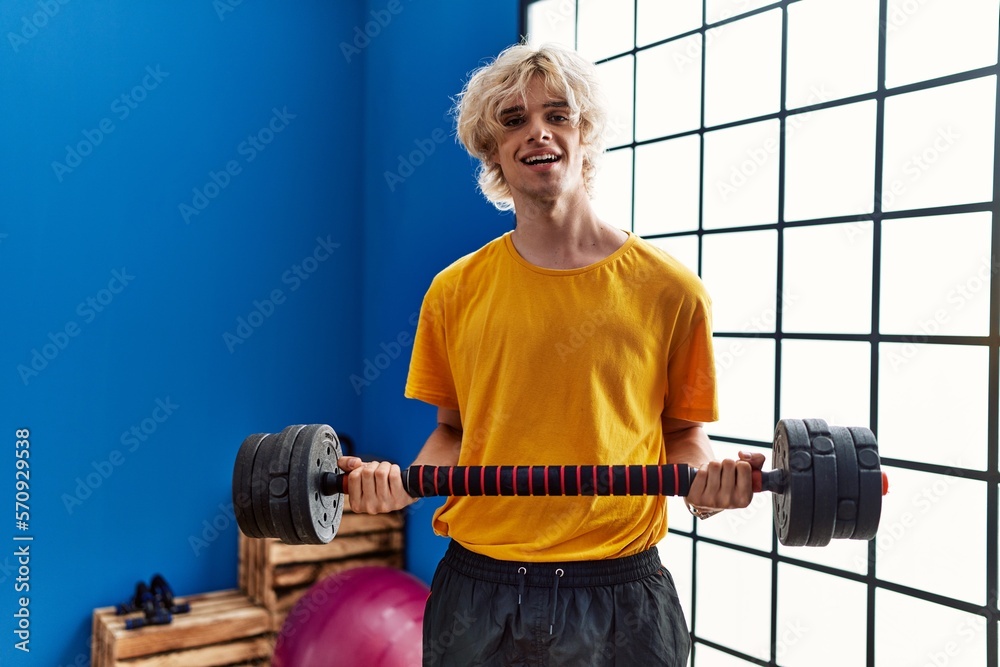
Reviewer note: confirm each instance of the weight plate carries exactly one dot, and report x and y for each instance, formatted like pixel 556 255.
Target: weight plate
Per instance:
pixel 847 482
pixel 792 454
pixel 315 517
pixel 869 483
pixel 824 459
pixel 243 486
pixel 277 484
pixel 259 485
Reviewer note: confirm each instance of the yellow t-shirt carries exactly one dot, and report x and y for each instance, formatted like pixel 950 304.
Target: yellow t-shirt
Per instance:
pixel 563 367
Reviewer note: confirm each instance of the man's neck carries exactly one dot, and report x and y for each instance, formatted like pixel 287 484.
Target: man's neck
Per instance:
pixel 563 234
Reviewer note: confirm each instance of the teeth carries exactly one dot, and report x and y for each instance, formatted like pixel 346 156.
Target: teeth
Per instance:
pixel 539 158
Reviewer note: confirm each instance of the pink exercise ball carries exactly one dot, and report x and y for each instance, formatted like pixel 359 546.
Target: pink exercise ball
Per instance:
pixel 370 616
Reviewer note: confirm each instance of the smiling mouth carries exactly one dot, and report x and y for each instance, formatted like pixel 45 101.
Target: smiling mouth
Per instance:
pixel 545 158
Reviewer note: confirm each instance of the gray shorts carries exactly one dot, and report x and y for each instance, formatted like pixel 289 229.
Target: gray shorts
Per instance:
pixel 484 612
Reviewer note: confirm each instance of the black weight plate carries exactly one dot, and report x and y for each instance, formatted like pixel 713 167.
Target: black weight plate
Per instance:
pixel 243 486
pixel 259 485
pixel 824 459
pixel 281 514
pixel 792 454
pixel 847 482
pixel 870 484
pixel 315 517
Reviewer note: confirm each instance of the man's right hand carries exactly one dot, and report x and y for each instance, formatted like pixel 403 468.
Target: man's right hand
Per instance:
pixel 374 487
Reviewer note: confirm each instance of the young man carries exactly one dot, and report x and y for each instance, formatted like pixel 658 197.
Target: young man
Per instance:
pixel 565 341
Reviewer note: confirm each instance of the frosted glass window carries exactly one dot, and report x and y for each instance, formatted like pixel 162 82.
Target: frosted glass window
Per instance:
pixel 552 22
pixel 659 19
pixel 668 97
pixel 606 28
pixel 745 377
pixel 682 248
pixel 847 555
pixel 911 631
pixel 667 182
pixel 938 146
pixel 751 526
pixel 723 619
pixel 743 69
pixel 706 656
pixel 830 634
pixel 828 279
pixel 828 380
pixel 936 274
pixel 926 521
pixel 821 65
pixel 925 40
pixel 740 272
pixel 830 162
pixel 720 10
pixel 949 380
pixel 741 175
pixel 617 82
pixel 613 192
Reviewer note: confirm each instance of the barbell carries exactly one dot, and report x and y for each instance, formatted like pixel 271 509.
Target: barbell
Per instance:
pixel 826 482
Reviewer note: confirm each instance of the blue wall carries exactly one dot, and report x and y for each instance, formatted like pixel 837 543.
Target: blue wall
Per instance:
pixel 198 242
pixel 422 207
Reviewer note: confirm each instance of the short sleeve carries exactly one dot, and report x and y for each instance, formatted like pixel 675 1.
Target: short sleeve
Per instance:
pixel 691 381
pixel 430 378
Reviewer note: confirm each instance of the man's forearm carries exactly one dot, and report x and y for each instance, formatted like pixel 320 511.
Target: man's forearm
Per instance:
pixel 441 448
pixel 690 445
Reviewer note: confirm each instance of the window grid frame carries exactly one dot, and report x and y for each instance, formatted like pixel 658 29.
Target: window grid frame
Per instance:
pixel 991 476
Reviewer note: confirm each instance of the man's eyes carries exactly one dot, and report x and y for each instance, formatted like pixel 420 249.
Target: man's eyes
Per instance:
pixel 514 121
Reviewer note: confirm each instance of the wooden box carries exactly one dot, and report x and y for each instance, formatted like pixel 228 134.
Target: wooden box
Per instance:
pixel 222 628
pixel 277 575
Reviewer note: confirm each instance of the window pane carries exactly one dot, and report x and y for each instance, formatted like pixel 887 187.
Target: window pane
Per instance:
pixel 828 279
pixel 847 555
pixel 950 380
pixel 807 632
pixel 617 82
pixel 659 19
pixel 926 520
pixel 720 10
pixel 706 656
pixel 939 146
pixel 682 248
pixel 667 182
pixel 743 69
pixel 668 99
pixel 931 632
pixel 925 40
pixel 751 526
pixel 613 192
pixel 745 374
pixel 832 50
pixel 830 162
pixel 740 273
pixel 741 175
pixel 723 619
pixel 552 21
pixel 828 380
pixel 936 275
pixel 606 28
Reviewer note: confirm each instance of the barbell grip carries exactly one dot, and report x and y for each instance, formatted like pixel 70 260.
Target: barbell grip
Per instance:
pixel 591 480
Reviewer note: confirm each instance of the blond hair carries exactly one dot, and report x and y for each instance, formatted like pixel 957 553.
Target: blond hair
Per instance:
pixel 566 74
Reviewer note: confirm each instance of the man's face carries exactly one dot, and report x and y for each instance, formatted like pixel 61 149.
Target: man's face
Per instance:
pixel 539 151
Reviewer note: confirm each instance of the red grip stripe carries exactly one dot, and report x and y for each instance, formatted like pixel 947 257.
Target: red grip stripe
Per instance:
pixel 611 484
pixel 436 481
pixel 546 480
pixel 482 480
pixel 531 480
pixel 594 473
pixel 645 476
pixel 451 484
pixel 513 480
pixel 628 482
pixel 562 480
pixel 579 472
pixel 659 471
pixel 467 492
pixel 498 480
pixel 420 478
pixel 677 478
